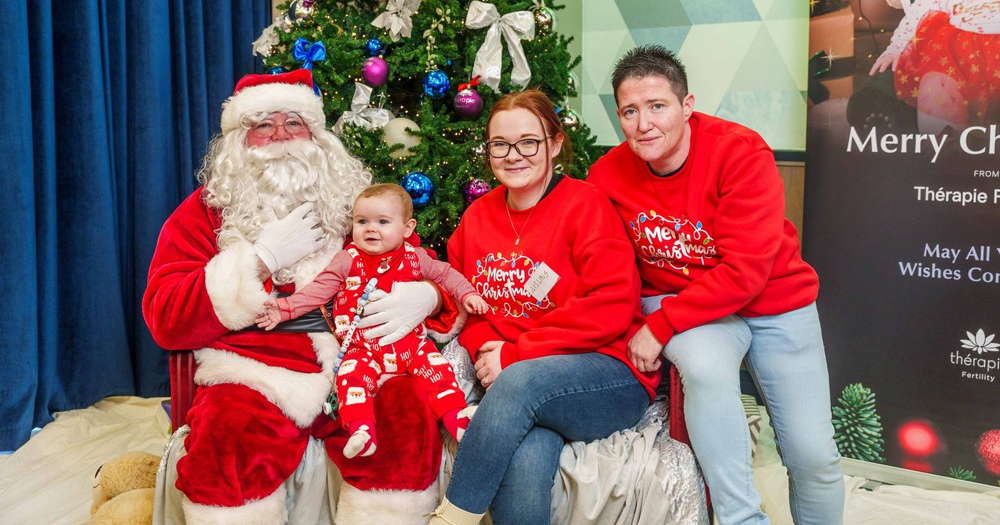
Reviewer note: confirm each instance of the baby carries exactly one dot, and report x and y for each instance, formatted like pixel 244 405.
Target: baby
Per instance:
pixel 944 61
pixel 383 218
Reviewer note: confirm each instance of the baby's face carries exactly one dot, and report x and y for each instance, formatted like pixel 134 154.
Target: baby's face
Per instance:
pixel 379 226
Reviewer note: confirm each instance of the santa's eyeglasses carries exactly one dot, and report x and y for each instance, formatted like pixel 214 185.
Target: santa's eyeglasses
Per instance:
pixel 293 124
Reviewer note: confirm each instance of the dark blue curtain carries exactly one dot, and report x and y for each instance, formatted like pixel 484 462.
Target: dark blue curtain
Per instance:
pixel 109 106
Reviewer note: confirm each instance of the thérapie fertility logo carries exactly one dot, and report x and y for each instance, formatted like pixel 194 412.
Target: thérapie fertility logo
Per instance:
pixel 981 355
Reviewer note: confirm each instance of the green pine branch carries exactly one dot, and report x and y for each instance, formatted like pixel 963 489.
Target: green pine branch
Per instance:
pixel 961 473
pixel 857 427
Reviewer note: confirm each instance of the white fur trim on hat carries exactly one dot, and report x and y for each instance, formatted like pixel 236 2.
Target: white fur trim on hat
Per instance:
pixel 269 510
pixel 233 286
pixel 385 507
pixel 268 98
pixel 299 395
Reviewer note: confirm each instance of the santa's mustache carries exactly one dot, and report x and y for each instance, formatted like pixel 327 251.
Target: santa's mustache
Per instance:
pixel 289 168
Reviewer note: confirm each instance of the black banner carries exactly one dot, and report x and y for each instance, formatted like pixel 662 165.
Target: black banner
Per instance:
pixel 902 222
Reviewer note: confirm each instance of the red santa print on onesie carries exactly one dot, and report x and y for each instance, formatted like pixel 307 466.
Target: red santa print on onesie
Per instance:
pixel 661 240
pixel 500 280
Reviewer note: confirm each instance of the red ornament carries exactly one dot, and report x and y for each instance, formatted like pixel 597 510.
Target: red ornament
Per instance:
pixel 988 448
pixel 918 438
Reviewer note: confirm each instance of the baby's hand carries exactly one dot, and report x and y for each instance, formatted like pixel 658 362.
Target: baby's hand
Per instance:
pixel 476 304
pixel 271 316
pixel 887 59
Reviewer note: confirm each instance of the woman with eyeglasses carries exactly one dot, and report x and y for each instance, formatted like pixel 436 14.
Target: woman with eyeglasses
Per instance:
pixel 550 256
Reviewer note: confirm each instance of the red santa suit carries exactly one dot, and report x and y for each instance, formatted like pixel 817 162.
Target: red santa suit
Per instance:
pixel 366 362
pixel 260 394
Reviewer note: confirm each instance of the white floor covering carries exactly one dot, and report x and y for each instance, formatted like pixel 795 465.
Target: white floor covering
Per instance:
pixel 48 480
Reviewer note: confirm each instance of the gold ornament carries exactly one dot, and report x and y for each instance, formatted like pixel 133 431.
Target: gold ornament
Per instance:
pixel 300 10
pixel 570 119
pixel 545 20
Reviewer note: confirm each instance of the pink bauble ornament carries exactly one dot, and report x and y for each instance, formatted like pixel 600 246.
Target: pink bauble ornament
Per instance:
pixel 468 103
pixel 375 71
pixel 988 448
pixel 474 189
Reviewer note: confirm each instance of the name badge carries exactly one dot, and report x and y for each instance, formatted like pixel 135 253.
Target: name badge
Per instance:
pixel 541 282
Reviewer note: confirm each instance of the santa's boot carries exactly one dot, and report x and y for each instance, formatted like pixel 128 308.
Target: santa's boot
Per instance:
pixel 449 514
pixel 269 510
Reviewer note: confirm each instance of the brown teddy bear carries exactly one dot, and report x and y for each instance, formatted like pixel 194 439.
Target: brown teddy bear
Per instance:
pixel 123 490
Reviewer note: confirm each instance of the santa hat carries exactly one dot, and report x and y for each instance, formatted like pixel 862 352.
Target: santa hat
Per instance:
pixel 285 92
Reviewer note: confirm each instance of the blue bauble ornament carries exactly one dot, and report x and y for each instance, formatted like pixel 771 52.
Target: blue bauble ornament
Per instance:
pixel 436 84
pixel 275 71
pixel 419 186
pixel 374 47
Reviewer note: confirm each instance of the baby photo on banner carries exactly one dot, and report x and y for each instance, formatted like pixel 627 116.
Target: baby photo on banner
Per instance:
pixel 902 222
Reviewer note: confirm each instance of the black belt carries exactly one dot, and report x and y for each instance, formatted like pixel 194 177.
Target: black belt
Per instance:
pixel 310 322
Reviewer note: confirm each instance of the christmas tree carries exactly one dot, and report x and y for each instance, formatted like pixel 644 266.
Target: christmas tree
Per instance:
pixel 378 63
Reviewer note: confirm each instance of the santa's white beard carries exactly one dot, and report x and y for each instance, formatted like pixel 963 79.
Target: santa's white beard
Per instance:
pixel 285 175
pixel 262 184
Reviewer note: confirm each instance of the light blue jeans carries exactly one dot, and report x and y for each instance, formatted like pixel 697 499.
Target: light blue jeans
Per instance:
pixel 785 356
pixel 508 457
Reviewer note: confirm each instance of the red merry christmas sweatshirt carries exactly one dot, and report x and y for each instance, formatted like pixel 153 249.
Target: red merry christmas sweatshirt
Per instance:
pixel 714 233
pixel 593 306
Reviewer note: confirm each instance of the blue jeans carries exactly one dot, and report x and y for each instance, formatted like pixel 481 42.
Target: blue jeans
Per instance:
pixel 508 457
pixel 785 356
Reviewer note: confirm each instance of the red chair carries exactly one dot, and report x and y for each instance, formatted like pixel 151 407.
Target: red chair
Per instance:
pixel 678 428
pixel 182 387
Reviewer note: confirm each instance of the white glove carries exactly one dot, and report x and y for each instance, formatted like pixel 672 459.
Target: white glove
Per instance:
pixel 283 242
pixel 399 312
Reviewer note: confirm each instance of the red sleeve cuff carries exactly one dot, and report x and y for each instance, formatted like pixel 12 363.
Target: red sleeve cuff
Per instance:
pixel 446 317
pixel 473 337
pixel 660 326
pixel 508 355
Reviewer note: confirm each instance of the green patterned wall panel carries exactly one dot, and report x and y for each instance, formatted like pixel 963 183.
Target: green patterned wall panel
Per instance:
pixel 746 59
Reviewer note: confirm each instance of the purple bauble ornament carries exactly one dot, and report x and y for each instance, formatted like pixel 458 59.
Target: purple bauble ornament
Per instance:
pixel 474 189
pixel 468 103
pixel 375 71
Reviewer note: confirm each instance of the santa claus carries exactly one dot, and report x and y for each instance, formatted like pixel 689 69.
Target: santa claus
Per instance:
pixel 273 209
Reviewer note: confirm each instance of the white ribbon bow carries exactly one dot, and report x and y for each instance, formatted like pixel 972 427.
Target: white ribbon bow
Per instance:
pixel 396 18
pixel 516 26
pixel 267 39
pixel 360 114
